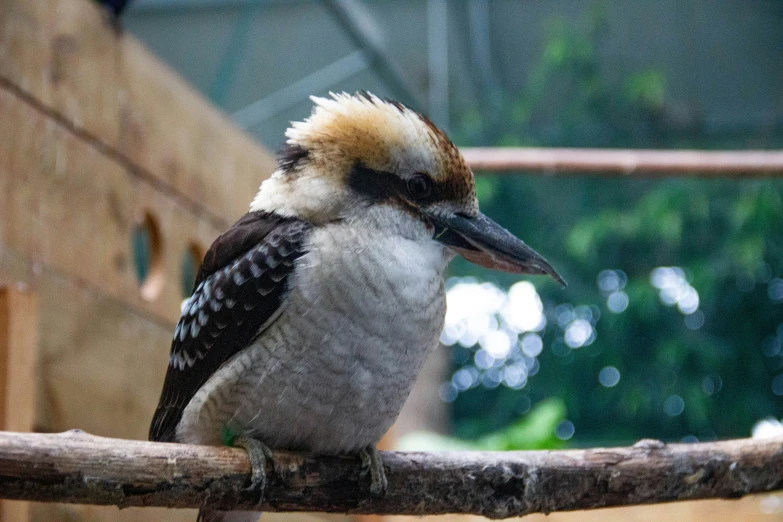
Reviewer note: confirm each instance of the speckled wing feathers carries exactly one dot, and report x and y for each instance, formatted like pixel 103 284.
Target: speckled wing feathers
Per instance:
pixel 239 288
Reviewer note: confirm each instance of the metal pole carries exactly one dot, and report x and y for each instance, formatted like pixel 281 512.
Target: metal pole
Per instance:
pixel 438 61
pixel 146 6
pixel 627 161
pixel 352 17
pixel 285 98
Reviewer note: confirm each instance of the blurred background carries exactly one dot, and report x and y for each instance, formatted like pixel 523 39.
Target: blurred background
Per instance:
pixel 672 322
pixel 671 326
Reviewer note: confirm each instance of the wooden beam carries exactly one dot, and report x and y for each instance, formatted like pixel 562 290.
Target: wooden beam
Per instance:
pixel 624 162
pixel 492 484
pixel 18 376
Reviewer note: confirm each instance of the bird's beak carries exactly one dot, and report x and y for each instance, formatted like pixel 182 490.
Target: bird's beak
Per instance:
pixel 482 241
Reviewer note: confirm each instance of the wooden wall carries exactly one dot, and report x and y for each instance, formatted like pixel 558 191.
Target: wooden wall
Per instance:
pixel 96 134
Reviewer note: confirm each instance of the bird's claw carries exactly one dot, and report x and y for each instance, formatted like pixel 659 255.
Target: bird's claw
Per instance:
pixel 259 453
pixel 372 463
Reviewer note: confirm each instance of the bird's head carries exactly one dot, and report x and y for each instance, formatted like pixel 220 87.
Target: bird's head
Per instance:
pixel 360 152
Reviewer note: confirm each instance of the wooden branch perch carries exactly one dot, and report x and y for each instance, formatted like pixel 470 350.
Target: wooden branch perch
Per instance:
pixel 627 161
pixel 75 467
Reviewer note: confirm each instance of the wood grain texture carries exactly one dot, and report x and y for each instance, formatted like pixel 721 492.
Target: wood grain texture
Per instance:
pixel 68 206
pixel 18 361
pixel 80 468
pixel 67 211
pixel 101 366
pixel 18 356
pixel 108 90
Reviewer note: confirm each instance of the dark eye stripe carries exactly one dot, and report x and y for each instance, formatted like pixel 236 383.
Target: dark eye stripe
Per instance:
pixel 378 185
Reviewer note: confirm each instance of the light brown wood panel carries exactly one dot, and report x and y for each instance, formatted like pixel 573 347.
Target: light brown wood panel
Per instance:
pixel 18 357
pixel 18 351
pixel 55 512
pixel 15 511
pixel 75 513
pixel 14 269
pixel 71 208
pixel 101 368
pixel 100 363
pixel 107 87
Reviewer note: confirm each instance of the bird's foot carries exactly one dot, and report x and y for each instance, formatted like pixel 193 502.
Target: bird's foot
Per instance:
pixel 259 453
pixel 372 463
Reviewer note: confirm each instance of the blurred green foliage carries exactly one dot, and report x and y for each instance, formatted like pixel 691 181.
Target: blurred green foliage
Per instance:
pixel 533 431
pixel 727 235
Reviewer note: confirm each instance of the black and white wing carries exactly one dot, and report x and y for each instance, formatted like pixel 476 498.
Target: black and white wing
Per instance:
pixel 240 287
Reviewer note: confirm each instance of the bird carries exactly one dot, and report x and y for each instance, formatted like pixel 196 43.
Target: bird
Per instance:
pixel 312 315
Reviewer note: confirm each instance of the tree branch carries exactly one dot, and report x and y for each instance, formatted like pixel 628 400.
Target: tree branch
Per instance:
pixel 75 467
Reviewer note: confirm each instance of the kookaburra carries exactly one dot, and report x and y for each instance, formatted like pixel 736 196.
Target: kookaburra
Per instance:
pixel 313 314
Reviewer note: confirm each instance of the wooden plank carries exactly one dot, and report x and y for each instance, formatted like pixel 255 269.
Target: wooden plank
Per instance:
pixel 101 364
pixel 108 89
pixel 18 349
pixel 18 356
pixel 69 207
pixel 101 367
pixel 74 513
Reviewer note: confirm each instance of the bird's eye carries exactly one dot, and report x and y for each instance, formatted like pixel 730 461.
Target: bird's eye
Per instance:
pixel 419 186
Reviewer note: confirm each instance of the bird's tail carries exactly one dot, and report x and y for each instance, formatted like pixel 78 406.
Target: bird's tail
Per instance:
pixel 208 515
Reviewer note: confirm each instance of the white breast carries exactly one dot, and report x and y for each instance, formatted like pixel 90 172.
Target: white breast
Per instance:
pixel 332 373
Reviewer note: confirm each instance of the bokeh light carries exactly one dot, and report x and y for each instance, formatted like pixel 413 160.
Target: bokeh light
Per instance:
pixel 609 376
pixel 500 328
pixel 611 284
pixel 579 333
pixel 777 385
pixel 674 288
pixel 695 320
pixel 617 302
pixel 766 428
pixel 775 290
pixel 565 430
pixel 673 405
